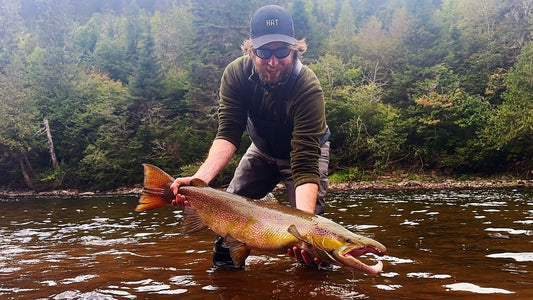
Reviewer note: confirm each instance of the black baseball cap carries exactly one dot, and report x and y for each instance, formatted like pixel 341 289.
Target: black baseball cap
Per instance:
pixel 271 23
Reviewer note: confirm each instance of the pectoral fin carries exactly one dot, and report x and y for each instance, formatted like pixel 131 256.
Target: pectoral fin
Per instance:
pixel 237 249
pixel 294 231
pixel 311 246
pixel 191 221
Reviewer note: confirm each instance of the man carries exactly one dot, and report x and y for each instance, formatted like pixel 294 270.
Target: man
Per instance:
pixel 280 103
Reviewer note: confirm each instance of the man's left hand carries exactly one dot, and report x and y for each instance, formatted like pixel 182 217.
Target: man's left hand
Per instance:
pixel 302 256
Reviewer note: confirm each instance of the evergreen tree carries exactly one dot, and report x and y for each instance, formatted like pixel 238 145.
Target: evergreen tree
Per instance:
pixel 341 41
pixel 510 129
pixel 19 121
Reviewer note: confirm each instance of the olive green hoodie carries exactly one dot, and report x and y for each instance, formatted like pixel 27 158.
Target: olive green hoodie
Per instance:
pixel 286 121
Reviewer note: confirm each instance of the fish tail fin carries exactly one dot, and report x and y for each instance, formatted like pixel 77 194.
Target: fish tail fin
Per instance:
pixel 156 190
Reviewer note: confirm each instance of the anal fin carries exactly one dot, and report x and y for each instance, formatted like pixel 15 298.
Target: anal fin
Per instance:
pixel 237 249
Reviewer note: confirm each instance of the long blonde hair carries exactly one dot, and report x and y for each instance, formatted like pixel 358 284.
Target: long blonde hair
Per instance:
pixel 300 46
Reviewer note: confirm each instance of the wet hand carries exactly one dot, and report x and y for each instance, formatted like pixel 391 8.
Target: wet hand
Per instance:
pixel 302 256
pixel 174 187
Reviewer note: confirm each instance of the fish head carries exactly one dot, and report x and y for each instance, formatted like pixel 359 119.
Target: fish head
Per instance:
pixel 344 248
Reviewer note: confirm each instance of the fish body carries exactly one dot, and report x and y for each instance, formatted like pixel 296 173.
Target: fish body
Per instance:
pixel 262 225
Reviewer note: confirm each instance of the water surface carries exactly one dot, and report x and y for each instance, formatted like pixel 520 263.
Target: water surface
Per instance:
pixel 473 244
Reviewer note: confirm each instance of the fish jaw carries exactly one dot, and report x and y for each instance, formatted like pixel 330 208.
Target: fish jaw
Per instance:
pixel 336 245
pixel 347 257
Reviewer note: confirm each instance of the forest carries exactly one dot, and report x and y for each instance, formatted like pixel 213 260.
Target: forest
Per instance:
pixel 91 89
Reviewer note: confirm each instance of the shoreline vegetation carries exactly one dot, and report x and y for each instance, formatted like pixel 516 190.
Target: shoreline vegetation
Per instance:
pixel 91 89
pixel 382 183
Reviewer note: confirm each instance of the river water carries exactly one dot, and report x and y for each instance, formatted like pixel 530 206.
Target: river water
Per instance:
pixel 442 244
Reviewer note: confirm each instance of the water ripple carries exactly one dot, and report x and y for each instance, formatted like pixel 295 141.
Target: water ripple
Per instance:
pixel 99 248
pixel 519 256
pixel 469 287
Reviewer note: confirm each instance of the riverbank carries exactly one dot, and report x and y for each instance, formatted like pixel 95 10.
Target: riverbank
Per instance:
pixel 384 183
pixel 444 185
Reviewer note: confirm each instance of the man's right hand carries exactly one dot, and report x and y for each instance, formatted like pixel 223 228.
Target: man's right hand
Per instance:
pixel 219 155
pixel 174 187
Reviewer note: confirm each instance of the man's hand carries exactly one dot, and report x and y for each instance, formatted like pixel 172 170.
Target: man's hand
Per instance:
pixel 302 256
pixel 180 199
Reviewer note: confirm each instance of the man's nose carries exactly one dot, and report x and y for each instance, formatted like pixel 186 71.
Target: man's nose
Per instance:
pixel 273 61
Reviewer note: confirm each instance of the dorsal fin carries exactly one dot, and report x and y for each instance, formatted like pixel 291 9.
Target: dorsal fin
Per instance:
pixel 268 198
pixel 198 182
pixel 270 202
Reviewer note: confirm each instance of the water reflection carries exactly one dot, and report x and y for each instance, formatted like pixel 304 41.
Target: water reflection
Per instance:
pixel 441 244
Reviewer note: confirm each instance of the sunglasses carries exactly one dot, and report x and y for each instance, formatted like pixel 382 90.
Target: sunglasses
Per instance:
pixel 279 53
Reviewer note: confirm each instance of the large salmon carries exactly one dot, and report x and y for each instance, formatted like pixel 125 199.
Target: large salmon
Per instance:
pixel 263 225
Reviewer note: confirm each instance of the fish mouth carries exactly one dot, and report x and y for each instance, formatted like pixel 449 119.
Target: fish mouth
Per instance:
pixel 350 259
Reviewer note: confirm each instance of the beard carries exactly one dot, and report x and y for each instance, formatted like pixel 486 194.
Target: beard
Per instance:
pixel 276 75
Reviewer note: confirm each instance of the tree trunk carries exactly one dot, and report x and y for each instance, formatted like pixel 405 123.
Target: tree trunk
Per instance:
pixel 29 169
pixel 55 165
pixel 27 177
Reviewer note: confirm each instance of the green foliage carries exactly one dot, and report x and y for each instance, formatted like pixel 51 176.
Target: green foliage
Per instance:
pixel 341 41
pixel 374 132
pixel 408 84
pixel 364 129
pixel 510 129
pixel 103 138
pixel 19 130
pixel 443 125
pixel 350 175
pixel 172 32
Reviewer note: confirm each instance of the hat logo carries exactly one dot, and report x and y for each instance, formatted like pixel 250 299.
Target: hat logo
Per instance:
pixel 271 22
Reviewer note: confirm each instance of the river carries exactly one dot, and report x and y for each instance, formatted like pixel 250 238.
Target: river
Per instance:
pixel 441 244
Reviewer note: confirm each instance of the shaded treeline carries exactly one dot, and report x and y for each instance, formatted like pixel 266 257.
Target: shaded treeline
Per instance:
pixel 421 85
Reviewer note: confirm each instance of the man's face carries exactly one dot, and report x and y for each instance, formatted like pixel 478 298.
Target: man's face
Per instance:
pixel 273 70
